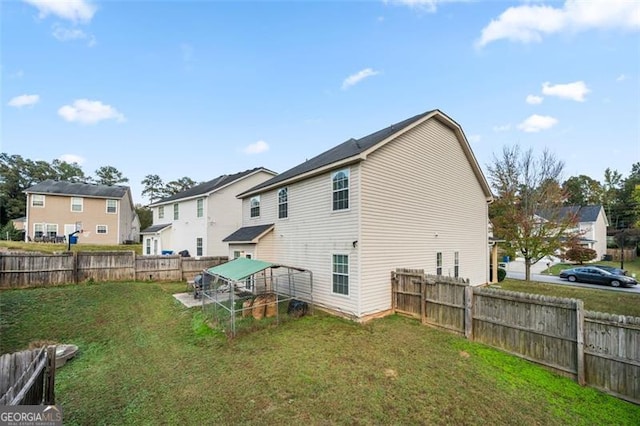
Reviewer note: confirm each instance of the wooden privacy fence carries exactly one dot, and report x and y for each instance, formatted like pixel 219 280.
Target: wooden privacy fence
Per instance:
pixel 19 270
pixel 596 349
pixel 27 377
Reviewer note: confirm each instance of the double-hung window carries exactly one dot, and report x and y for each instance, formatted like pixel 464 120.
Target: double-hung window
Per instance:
pixel 200 207
pixel 439 263
pixel 255 206
pixel 283 203
pixel 76 204
pixel 52 230
pixel 38 230
pixel 112 206
pixel 37 200
pixel 176 211
pixel 161 212
pixel 341 274
pixel 340 182
pixel 456 264
pixel 199 246
pixel 101 229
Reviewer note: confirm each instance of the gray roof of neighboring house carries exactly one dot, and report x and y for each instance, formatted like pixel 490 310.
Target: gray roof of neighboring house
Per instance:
pixel 583 213
pixel 155 228
pixel 343 151
pixel 72 188
pixel 212 185
pixel 248 233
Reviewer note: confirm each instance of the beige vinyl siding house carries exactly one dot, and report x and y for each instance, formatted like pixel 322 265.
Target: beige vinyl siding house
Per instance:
pixel 105 213
pixel 393 199
pixel 198 218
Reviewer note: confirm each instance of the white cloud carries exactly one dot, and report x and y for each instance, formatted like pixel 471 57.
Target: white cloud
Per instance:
pixel 502 128
pixel 426 5
pixel 71 10
pixel 358 77
pixel 69 34
pixel 71 158
pixel 536 122
pixel 529 23
pixel 85 111
pixel 621 77
pixel 534 100
pixel 256 148
pixel 24 100
pixel 575 91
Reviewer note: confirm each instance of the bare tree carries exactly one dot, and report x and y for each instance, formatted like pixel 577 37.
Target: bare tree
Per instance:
pixel 528 209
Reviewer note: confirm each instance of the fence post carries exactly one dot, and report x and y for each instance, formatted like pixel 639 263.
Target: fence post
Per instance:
pixel 50 376
pixel 75 267
pixel 580 342
pixel 423 299
pixel 394 286
pixel 135 266
pixel 468 312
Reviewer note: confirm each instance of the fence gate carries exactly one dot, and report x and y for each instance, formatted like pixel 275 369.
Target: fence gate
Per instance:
pixel 408 287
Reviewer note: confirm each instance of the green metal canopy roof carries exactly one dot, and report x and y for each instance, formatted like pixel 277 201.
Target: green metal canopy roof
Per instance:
pixel 239 268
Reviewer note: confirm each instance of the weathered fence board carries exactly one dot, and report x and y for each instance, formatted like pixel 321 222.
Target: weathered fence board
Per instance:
pixel 612 354
pixel 35 269
pixel 599 350
pixel 23 376
pixel 19 270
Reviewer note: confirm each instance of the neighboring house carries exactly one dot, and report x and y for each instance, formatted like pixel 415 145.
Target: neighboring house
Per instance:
pixel 198 218
pixel 104 212
pixel 19 223
pixel 411 195
pixel 592 226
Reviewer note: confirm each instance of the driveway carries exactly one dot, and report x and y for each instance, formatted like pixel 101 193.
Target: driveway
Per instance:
pixel 515 270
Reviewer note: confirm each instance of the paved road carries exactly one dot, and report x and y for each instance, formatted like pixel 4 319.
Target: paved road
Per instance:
pixel 516 275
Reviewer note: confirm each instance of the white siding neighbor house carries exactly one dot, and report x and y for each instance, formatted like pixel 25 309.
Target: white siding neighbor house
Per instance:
pixel 198 218
pixel 411 195
pixel 591 225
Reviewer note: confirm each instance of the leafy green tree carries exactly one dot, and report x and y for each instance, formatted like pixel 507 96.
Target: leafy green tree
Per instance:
pixel 527 211
pixel 582 190
pixel 611 196
pixel 153 188
pixel 109 175
pixel 68 172
pixel 145 215
pixel 176 186
pixel 10 233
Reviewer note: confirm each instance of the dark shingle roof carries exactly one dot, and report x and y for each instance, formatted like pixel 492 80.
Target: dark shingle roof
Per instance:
pixel 248 233
pixel 71 188
pixel 343 151
pixel 207 187
pixel 583 213
pixel 155 228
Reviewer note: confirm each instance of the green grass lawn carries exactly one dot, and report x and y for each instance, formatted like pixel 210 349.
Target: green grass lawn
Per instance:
pixel 51 247
pixel 144 359
pixel 601 300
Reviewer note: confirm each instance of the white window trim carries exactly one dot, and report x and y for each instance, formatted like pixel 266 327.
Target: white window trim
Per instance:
pixel 201 246
pixel 176 211
pixel 106 229
pixel 251 206
pixel 81 205
pixel 160 212
pixel 286 188
pixel 43 200
pixel 349 288
pixel 332 175
pixel 107 206
pixel 200 210
pixel 50 225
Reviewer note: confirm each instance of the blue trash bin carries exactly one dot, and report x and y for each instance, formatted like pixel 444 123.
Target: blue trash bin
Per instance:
pixel 167 252
pixel 505 259
pixel 73 239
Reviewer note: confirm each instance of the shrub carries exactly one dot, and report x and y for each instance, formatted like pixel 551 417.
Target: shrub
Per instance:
pixel 580 254
pixel 502 274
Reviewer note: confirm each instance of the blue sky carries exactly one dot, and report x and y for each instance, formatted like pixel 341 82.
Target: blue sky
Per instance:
pixel 204 88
